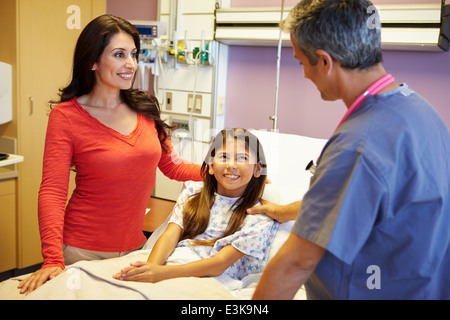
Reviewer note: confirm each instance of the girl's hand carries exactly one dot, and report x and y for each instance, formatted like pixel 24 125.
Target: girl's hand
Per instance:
pixel 38 278
pixel 142 272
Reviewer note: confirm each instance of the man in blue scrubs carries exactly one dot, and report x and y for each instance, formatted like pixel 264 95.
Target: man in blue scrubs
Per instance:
pixel 375 223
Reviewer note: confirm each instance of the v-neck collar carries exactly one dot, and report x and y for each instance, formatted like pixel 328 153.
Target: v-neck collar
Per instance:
pixel 129 138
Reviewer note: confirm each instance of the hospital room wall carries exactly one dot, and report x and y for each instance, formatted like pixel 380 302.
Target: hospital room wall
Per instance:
pixel 133 9
pixel 252 73
pixel 251 85
pixel 251 89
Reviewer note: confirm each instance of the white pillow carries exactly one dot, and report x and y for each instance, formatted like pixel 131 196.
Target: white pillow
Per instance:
pixel 287 156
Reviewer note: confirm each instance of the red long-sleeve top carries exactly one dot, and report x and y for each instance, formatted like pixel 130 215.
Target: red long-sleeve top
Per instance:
pixel 115 176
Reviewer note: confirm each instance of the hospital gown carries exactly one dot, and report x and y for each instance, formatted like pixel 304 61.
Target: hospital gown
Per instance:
pixel 253 238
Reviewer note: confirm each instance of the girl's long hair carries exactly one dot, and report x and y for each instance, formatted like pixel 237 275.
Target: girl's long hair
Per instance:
pixel 90 45
pixel 197 210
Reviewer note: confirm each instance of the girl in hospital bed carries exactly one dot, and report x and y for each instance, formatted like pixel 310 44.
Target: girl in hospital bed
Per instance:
pixel 210 222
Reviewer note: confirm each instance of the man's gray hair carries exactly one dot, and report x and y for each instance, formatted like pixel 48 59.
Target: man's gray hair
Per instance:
pixel 343 28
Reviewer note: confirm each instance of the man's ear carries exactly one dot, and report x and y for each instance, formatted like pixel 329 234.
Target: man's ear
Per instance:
pixel 325 60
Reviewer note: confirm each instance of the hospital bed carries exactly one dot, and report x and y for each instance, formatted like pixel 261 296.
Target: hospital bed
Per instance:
pixel 287 156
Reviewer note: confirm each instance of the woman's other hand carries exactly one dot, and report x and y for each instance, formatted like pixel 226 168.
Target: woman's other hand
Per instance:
pixel 38 278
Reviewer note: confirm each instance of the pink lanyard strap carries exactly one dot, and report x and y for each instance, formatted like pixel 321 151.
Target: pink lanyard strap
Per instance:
pixel 379 85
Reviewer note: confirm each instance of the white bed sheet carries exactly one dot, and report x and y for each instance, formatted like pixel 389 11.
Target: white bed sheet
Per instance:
pixel 87 280
pixel 93 280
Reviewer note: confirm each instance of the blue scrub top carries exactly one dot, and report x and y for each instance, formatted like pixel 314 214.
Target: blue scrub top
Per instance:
pixel 379 204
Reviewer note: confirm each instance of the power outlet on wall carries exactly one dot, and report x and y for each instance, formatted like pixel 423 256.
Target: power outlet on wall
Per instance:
pixel 198 103
pixel 169 101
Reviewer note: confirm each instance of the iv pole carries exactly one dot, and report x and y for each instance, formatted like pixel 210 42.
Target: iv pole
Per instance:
pixel 274 118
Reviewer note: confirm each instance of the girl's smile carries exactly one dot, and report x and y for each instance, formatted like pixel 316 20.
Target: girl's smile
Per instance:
pixel 231 176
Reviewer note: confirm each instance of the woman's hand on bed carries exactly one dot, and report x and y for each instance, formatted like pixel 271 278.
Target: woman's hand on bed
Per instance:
pixel 38 278
pixel 281 213
pixel 142 272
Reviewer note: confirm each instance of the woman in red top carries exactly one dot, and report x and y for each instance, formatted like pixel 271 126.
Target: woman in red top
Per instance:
pixel 115 139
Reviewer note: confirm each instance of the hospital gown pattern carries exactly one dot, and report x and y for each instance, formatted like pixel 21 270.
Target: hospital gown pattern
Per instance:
pixel 254 238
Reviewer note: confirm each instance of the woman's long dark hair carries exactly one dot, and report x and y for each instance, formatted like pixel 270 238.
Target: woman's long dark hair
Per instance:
pixel 198 207
pixel 90 45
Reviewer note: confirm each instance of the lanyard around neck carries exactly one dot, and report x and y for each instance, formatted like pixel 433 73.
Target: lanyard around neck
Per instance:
pixel 379 85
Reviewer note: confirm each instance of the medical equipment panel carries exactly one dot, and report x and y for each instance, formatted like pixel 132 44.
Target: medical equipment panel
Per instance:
pixel 182 69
